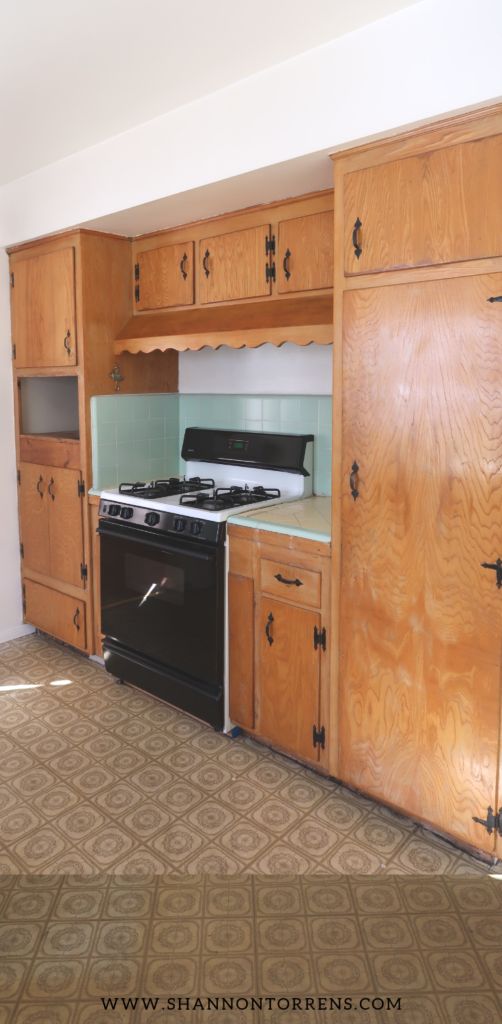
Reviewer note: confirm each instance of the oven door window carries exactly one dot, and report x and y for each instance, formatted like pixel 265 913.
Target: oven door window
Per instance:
pixel 164 601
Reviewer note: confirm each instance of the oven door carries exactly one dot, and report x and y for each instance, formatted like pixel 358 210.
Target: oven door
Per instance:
pixel 164 599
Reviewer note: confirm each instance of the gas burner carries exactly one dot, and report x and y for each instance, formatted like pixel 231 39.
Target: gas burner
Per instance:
pixel 166 488
pixel 230 497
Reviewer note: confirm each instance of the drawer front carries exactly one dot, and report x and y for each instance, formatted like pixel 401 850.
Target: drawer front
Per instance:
pixel 58 614
pixel 291 582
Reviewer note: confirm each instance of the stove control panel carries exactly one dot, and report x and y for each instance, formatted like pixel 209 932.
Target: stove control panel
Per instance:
pixel 137 517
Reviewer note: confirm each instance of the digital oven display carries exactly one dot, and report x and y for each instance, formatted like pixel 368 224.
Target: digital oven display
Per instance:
pixel 235 444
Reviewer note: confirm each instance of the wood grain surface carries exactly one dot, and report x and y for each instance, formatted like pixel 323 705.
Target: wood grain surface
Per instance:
pixel 241 650
pixel 236 265
pixel 55 613
pixel 43 309
pixel 166 276
pixel 65 525
pixel 435 208
pixel 305 252
pixel 421 621
pixel 34 517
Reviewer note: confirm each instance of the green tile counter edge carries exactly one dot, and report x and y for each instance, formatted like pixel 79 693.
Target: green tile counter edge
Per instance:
pixel 255 521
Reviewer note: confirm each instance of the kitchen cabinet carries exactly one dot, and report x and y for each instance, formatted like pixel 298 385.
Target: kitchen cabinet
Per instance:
pixel 278 608
pixel 418 361
pixel 59 614
pixel 43 310
pixel 235 265
pixel 305 253
pixel 50 508
pixel 165 276
pixel 433 208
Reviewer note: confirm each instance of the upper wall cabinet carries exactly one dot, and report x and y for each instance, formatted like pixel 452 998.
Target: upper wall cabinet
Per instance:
pixel 440 207
pixel 43 310
pixel 235 265
pixel 164 277
pixel 305 253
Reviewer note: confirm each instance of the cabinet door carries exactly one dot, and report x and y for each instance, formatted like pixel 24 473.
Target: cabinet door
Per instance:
pixel 43 310
pixel 241 650
pixel 421 620
pixel 164 277
pixel 65 525
pixel 289 676
pixel 234 266
pixel 34 518
pixel 55 613
pixel 305 253
pixel 440 207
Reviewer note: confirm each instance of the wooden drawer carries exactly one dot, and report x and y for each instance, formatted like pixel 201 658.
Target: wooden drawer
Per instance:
pixel 290 582
pixel 55 613
pixel 440 207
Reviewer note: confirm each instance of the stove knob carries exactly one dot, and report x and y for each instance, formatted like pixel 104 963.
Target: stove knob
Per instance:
pixel 127 512
pixel 114 510
pixel 195 528
pixel 152 518
pixel 179 525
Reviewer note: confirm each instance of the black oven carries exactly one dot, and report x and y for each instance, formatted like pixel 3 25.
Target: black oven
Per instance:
pixel 162 614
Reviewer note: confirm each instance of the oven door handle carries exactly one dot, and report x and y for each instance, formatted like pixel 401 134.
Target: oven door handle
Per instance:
pixel 198 551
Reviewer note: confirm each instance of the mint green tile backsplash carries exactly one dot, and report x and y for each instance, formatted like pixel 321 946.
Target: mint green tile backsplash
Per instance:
pixel 139 436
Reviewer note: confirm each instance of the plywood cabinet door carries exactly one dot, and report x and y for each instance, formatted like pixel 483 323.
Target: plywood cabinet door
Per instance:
pixel 43 310
pixel 241 650
pixel 305 253
pixel 57 614
pixel 421 619
pixel 234 266
pixel 34 517
pixel 65 525
pixel 289 677
pixel 165 277
pixel 439 207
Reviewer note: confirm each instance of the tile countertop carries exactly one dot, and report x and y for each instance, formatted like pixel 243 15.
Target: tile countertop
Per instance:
pixel 309 517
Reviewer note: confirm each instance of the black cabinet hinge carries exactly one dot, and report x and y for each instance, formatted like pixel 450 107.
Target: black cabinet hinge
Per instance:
pixel 492 822
pixel 13 351
pixel 19 476
pixel 319 638
pixel 21 550
pixel 24 599
pixel 270 246
pixel 136 293
pixel 81 488
pixel 12 279
pixel 83 571
pixel 136 278
pixel 270 273
pixel 318 737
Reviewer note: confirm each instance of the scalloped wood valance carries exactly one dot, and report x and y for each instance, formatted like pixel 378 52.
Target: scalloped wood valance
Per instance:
pixel 302 321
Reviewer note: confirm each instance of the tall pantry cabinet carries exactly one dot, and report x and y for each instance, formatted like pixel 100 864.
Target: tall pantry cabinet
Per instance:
pixel 418 473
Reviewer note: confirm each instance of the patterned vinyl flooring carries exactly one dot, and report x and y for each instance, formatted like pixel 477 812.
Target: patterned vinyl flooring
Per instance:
pixel 95 776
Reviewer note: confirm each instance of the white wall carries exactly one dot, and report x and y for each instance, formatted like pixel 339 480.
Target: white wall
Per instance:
pixel 289 370
pixel 428 59
pixel 11 614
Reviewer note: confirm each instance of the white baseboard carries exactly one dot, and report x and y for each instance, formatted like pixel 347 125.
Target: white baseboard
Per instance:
pixel 14 632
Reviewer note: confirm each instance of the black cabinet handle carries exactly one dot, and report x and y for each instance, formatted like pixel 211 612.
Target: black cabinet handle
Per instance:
pixel 66 342
pixel 285 264
pixel 497 567
pixel 76 618
pixel 204 262
pixel 267 628
pixel 50 489
pixel 39 489
pixel 183 263
pixel 353 480
pixel 289 583
pixel 356 238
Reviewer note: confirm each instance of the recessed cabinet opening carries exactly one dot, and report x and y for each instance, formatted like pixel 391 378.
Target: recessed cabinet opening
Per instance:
pixel 48 406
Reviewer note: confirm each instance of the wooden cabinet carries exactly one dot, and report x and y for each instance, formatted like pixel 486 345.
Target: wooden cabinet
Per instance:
pixel 278 606
pixel 43 310
pixel 235 265
pixel 439 207
pixel 164 277
pixel 53 612
pixel 305 253
pixel 50 508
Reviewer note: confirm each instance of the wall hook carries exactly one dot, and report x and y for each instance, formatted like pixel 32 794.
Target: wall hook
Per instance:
pixel 116 376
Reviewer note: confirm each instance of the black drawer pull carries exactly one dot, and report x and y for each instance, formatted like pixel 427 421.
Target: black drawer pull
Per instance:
pixel 50 488
pixel 289 583
pixel 285 264
pixel 39 488
pixel 356 238
pixel 267 628
pixel 76 618
pixel 183 263
pixel 66 342
pixel 204 262
pixel 353 480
